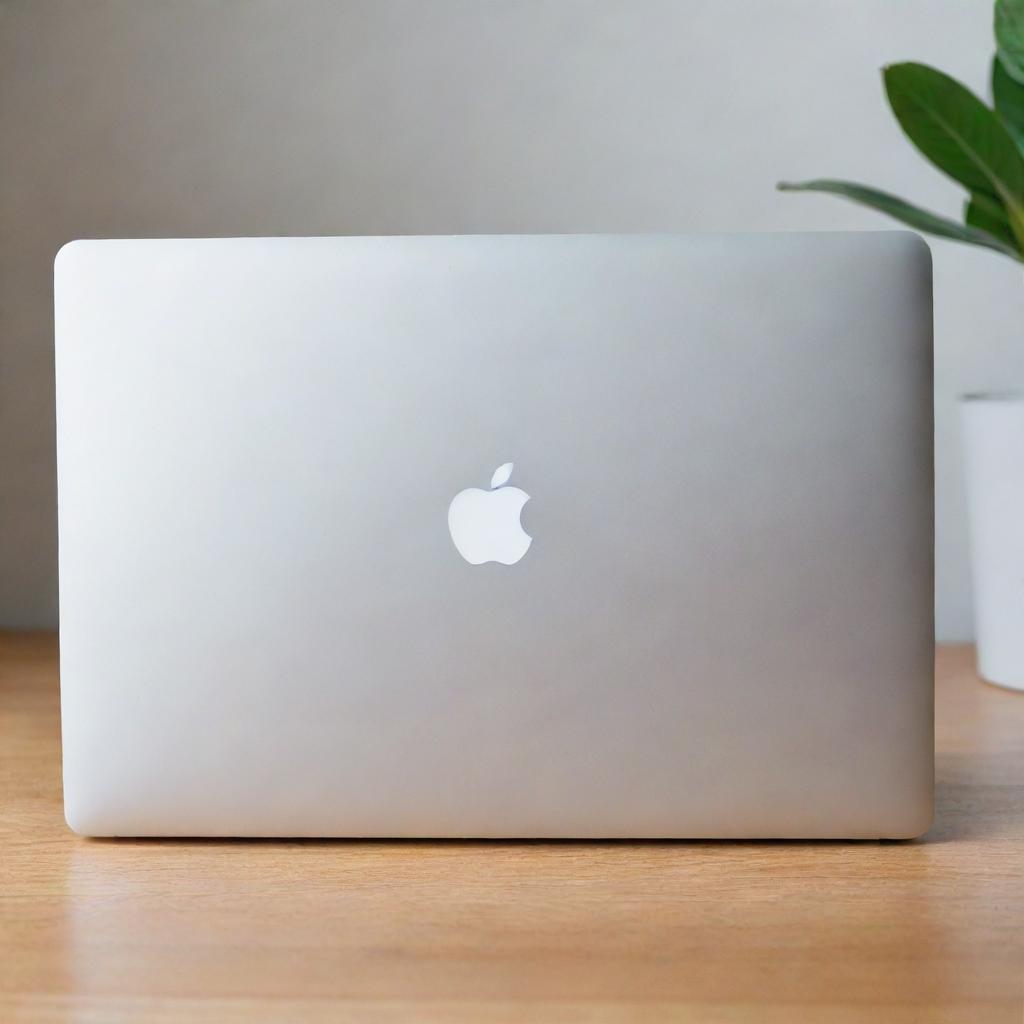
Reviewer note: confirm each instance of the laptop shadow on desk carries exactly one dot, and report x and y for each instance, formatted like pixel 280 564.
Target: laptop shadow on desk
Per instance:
pixel 977 801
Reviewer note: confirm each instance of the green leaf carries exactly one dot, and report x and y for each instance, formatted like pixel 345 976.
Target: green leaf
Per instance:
pixel 1008 95
pixel 1009 27
pixel 959 134
pixel 906 213
pixel 987 214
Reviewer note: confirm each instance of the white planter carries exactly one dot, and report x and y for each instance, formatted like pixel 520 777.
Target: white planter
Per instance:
pixel 993 433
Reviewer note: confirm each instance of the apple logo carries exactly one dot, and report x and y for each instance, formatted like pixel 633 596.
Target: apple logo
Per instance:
pixel 485 525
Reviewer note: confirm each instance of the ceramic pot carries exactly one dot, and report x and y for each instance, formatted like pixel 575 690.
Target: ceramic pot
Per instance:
pixel 993 437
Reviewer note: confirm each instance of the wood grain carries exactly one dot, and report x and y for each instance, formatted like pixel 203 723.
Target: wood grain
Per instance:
pixel 212 931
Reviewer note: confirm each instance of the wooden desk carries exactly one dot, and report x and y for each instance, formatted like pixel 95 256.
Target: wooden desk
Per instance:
pixel 210 931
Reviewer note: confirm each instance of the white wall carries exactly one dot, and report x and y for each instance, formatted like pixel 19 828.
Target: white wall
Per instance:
pixel 152 117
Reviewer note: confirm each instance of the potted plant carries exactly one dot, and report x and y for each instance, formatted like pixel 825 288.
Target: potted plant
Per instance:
pixel 982 148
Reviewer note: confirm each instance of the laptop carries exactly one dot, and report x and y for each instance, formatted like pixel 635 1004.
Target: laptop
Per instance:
pixel 586 536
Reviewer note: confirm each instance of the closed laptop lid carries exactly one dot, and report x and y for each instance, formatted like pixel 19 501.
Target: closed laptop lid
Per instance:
pixel 568 536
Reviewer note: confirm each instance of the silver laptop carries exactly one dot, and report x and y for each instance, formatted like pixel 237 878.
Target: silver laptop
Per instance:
pixel 549 536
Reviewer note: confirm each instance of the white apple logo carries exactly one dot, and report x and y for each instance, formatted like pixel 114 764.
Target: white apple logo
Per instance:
pixel 485 525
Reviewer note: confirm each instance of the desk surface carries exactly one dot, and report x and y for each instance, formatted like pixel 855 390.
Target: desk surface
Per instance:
pixel 211 931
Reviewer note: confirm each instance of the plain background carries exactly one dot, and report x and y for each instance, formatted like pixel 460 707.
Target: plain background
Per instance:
pixel 276 117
